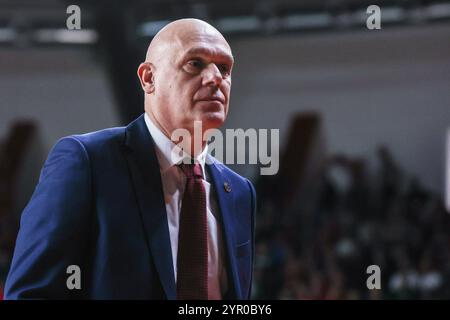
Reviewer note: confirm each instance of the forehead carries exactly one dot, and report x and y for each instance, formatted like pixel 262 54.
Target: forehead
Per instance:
pixel 204 43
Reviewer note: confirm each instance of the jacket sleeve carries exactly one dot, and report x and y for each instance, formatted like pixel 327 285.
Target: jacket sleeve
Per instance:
pixel 54 227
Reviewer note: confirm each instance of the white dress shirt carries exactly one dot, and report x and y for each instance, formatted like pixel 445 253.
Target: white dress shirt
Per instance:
pixel 174 181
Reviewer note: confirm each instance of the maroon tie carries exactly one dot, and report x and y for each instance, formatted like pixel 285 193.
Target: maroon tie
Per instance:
pixel 192 259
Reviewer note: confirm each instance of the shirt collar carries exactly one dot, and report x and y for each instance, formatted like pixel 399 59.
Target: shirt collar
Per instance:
pixel 168 153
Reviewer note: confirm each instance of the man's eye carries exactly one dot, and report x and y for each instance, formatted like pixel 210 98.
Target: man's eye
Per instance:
pixel 224 69
pixel 196 64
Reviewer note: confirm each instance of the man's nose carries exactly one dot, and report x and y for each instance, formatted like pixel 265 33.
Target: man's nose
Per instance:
pixel 212 75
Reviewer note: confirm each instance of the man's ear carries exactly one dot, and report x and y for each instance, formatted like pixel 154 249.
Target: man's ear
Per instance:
pixel 146 76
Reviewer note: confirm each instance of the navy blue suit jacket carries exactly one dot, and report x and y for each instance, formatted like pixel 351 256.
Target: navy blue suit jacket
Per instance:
pixel 99 205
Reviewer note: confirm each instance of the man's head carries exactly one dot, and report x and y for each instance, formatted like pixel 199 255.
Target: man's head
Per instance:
pixel 186 76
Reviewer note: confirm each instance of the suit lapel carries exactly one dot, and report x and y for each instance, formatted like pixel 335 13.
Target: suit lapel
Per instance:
pixel 226 204
pixel 145 173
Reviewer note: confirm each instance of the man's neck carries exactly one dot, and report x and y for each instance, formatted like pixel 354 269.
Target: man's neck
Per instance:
pixel 189 146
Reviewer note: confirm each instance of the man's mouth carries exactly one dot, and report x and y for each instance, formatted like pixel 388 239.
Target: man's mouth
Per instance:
pixel 210 99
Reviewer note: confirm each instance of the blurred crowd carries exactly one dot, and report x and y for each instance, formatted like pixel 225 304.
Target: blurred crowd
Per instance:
pixel 320 246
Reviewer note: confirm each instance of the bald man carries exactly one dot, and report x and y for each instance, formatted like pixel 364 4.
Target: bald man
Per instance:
pixel 130 212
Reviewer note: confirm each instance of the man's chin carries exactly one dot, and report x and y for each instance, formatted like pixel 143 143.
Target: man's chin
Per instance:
pixel 212 120
pixel 211 116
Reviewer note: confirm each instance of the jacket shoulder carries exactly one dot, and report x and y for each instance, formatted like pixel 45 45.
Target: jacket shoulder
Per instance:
pixel 101 137
pixel 95 145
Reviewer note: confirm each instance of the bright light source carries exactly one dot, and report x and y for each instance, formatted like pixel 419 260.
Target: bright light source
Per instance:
pixel 84 36
pixel 151 28
pixel 238 24
pixel 7 34
pixel 392 14
pixel 307 21
pixel 438 11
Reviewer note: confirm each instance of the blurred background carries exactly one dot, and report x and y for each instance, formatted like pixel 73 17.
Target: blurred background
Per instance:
pixel 363 118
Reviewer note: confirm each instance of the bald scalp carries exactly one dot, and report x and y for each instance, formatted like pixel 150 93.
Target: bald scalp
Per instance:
pixel 175 34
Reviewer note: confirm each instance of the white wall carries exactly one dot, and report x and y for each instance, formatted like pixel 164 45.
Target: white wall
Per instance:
pixel 65 90
pixel 372 87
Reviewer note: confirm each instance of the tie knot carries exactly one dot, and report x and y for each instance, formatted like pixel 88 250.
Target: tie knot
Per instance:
pixel 192 170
